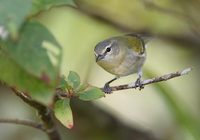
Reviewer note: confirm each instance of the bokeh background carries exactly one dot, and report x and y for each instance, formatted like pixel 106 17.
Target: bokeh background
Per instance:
pixel 164 111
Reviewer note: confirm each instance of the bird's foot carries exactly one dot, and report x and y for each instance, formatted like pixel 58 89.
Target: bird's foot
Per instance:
pixel 107 89
pixel 138 83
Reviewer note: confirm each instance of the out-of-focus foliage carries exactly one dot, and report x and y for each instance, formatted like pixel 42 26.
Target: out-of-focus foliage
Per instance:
pixel 12 14
pixel 29 63
pixel 134 14
pixel 39 5
pixel 174 20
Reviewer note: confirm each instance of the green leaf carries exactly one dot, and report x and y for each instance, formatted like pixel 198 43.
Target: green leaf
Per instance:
pixel 36 51
pixel 16 76
pixel 63 112
pixel 82 87
pixel 73 79
pixel 13 13
pixel 34 58
pixel 39 5
pixel 63 83
pixel 91 94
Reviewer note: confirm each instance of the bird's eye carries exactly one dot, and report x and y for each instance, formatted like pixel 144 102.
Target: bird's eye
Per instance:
pixel 108 49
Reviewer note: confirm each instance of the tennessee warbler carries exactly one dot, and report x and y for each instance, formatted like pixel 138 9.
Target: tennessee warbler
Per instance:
pixel 122 56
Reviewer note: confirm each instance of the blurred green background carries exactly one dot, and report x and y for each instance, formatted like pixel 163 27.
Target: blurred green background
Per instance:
pixel 164 111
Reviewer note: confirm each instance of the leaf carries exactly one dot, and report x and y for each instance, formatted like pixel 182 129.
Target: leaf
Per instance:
pixel 34 58
pixel 63 112
pixel 73 79
pixel 63 83
pixel 16 76
pixel 12 15
pixel 91 94
pixel 82 87
pixel 39 5
pixel 37 51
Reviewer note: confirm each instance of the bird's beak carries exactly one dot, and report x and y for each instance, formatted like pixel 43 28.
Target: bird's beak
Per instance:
pixel 99 57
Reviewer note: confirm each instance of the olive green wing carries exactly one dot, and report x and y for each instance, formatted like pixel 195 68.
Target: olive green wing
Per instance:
pixel 136 43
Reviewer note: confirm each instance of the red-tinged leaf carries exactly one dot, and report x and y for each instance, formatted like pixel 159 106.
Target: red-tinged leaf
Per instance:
pixel 63 112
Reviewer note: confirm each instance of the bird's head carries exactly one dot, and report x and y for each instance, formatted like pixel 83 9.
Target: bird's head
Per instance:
pixel 107 50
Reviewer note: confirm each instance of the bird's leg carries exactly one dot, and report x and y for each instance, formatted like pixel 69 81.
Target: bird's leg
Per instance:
pixel 139 81
pixel 107 89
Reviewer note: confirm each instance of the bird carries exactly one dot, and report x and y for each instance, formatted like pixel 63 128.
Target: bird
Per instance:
pixel 121 56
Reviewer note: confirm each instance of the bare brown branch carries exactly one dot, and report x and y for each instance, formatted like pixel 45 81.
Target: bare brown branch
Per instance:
pixel 153 80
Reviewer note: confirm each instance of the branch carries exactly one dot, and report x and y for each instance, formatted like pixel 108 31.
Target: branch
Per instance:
pixel 60 93
pixel 45 113
pixel 153 80
pixel 24 122
pixel 27 99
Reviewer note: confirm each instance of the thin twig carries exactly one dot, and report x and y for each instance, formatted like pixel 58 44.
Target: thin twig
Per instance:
pixel 24 122
pixel 153 80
